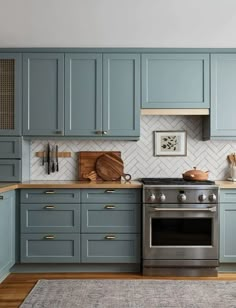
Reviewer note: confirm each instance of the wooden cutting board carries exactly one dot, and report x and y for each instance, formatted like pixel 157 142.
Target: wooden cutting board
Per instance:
pixel 110 167
pixel 87 162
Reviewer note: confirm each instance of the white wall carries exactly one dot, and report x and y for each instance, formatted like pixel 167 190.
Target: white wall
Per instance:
pixel 117 23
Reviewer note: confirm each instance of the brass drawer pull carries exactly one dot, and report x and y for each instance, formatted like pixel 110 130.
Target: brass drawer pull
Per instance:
pixel 98 132
pixel 109 206
pixel 49 207
pixel 110 237
pixel 110 191
pixel 49 237
pixel 1 197
pixel 50 192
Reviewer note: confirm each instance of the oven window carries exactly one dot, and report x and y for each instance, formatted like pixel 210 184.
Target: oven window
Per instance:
pixel 181 231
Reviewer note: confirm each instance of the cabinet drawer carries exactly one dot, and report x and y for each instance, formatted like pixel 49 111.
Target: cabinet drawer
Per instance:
pixel 110 195
pixel 50 195
pixel 100 218
pixel 38 218
pixel 121 248
pixel 63 248
pixel 228 195
pixel 10 147
pixel 10 170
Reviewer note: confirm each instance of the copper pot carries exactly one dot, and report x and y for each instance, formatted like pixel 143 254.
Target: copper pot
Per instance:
pixel 195 175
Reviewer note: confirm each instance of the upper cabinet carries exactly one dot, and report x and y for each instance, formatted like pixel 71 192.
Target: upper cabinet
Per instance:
pixel 83 94
pixel 102 95
pixel 223 96
pixel 175 80
pixel 10 94
pixel 43 94
pixel 121 95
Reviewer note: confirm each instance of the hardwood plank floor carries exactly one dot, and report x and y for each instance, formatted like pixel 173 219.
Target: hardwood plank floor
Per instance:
pixel 15 287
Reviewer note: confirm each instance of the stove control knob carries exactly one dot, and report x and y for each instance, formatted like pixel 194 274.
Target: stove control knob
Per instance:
pixel 202 197
pixel 162 197
pixel 152 197
pixel 212 197
pixel 182 197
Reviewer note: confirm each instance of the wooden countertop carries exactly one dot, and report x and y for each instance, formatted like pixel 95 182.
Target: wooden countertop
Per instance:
pixel 226 184
pixel 69 184
pixel 83 184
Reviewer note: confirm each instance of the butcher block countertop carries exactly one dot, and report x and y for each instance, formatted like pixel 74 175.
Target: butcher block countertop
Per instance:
pixel 69 184
pixel 226 184
pixel 84 184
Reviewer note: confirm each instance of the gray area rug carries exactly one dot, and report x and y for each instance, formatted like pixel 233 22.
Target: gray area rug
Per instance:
pixel 132 294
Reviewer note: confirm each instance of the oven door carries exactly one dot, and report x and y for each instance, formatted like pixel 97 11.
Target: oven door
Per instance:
pixel 177 233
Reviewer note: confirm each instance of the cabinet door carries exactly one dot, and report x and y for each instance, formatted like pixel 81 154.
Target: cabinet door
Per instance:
pixel 10 170
pixel 83 94
pixel 7 232
pixel 110 248
pixel 227 232
pixel 118 218
pixel 10 94
pixel 50 248
pixel 223 95
pixel 39 218
pixel 43 94
pixel 121 95
pixel 175 81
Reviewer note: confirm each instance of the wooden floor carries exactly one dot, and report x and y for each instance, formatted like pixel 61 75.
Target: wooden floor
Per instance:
pixel 15 287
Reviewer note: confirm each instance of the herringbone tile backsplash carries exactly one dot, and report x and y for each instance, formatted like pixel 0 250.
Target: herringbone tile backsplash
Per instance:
pixel 138 156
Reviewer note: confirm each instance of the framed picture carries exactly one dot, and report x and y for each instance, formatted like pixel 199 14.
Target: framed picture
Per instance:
pixel 170 143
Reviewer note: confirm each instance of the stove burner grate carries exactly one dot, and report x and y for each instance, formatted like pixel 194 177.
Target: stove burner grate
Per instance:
pixel 173 181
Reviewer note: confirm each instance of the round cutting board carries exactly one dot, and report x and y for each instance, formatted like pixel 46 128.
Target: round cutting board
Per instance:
pixel 110 167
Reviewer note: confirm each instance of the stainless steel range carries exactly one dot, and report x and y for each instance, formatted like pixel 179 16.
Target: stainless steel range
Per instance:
pixel 180 227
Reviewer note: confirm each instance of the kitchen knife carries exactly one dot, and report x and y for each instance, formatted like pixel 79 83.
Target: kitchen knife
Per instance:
pixel 49 159
pixel 57 161
pixel 53 159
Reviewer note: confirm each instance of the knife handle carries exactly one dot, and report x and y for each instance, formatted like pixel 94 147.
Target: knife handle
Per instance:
pixel 57 161
pixel 53 162
pixel 49 159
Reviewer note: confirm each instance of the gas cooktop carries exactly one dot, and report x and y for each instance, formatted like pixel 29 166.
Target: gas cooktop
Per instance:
pixel 173 181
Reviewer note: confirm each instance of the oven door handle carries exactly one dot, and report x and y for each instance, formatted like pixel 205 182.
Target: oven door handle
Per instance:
pixel 209 209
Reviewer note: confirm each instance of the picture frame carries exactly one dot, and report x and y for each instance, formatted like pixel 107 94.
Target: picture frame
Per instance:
pixel 170 143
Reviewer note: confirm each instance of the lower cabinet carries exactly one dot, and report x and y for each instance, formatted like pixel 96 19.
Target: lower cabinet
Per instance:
pixel 50 248
pixel 7 232
pixel 110 226
pixel 105 231
pixel 110 248
pixel 50 226
pixel 228 226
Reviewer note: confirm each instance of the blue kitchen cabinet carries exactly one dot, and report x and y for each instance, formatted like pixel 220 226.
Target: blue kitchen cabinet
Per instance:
pixel 110 248
pixel 121 95
pixel 10 94
pixel 227 226
pixel 175 80
pixel 83 94
pixel 50 248
pixel 7 232
pixel 50 226
pixel 110 225
pixel 222 122
pixel 118 218
pixel 102 95
pixel 43 94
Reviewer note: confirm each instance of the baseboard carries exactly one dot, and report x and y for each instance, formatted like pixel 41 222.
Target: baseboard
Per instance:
pixel 76 268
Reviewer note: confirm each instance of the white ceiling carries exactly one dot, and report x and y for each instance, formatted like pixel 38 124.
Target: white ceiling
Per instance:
pixel 118 23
